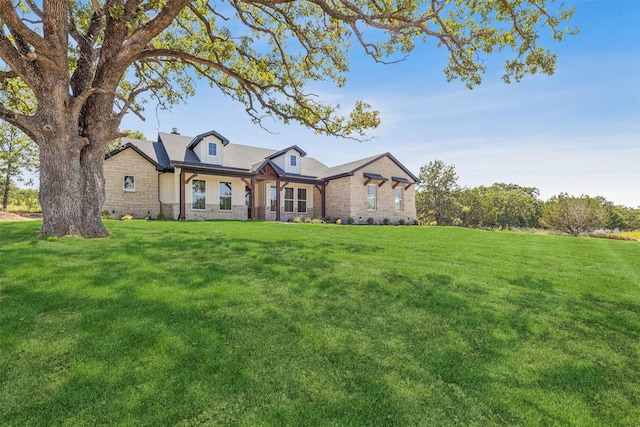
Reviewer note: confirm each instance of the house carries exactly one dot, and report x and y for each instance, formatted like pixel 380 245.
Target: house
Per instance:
pixel 207 177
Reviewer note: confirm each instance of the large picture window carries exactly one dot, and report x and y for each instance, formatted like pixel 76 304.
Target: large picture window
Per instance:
pixel 198 194
pixel 129 183
pixel 371 197
pixel 273 199
pixel 288 199
pixel 225 196
pixel 398 201
pixel 302 200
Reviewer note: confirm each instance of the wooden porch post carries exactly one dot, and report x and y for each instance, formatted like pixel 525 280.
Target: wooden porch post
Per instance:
pixel 322 189
pixel 278 199
pixel 252 198
pixel 182 196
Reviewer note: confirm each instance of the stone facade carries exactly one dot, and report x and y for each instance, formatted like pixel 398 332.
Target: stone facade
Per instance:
pixel 347 196
pixel 150 191
pixel 142 201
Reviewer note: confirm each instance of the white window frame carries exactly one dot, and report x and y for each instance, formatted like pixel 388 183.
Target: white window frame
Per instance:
pixel 289 201
pixel 293 160
pixel 199 195
pixel 133 183
pixel 399 199
pixel 302 200
pixel 226 197
pixel 371 198
pixel 273 199
pixel 215 149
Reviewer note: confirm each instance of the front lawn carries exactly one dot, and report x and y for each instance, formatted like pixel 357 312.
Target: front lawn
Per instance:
pixel 255 323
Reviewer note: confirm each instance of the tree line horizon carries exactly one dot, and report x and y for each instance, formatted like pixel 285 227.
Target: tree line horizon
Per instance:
pixel 441 201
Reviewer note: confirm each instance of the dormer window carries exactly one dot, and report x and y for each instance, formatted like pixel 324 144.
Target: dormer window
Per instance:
pixel 213 149
pixel 294 160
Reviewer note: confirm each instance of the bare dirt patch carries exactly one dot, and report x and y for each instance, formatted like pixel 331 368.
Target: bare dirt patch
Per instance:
pixel 19 216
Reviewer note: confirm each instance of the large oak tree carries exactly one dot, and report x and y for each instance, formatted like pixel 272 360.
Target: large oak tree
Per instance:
pixel 88 64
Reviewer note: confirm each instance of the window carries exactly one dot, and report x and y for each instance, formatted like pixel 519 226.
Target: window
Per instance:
pixel 294 160
pixel 225 196
pixel 198 194
pixel 129 183
pixel 288 199
pixel 213 149
pixel 371 197
pixel 302 200
pixel 273 199
pixel 399 199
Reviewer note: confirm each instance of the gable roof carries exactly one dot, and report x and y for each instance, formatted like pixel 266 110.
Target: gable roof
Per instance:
pixel 149 150
pixel 281 152
pixel 171 149
pixel 196 140
pixel 349 169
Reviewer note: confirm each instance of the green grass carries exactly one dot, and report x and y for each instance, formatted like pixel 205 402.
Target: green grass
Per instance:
pixel 228 323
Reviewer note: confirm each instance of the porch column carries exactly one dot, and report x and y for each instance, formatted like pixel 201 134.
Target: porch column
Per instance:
pixel 278 199
pixel 252 198
pixel 322 189
pixel 182 196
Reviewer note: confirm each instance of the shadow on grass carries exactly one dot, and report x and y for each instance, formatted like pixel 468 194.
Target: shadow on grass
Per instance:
pixel 157 327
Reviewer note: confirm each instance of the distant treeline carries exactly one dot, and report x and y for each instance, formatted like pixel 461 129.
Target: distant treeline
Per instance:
pixel 440 201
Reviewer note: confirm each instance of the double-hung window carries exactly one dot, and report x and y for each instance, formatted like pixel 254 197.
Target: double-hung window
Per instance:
pixel 288 199
pixel 273 199
pixel 225 196
pixel 302 200
pixel 398 200
pixel 371 197
pixel 198 194
pixel 213 149
pixel 129 183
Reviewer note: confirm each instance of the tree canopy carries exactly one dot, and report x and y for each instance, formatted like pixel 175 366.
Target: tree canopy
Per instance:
pixel 87 64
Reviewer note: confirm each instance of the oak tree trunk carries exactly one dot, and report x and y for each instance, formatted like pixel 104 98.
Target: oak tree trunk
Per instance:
pixel 71 189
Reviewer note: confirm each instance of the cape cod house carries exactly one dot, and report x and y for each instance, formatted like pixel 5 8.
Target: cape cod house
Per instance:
pixel 207 177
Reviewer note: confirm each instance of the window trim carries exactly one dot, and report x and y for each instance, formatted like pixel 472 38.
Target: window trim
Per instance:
pixel 374 197
pixel 398 199
pixel 291 200
pixel 124 183
pixel 229 185
pixel 273 199
pixel 194 194
pixel 215 149
pixel 302 200
pixel 293 161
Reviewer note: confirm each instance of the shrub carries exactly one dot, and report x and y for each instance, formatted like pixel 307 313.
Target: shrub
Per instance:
pixel 105 214
pixel 126 217
pixel 370 221
pixel 401 221
pixel 298 219
pixel 350 221
pixel 338 221
pixel 162 216
pixel 386 221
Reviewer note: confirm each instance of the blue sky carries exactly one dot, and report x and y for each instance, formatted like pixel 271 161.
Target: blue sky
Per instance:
pixel 577 131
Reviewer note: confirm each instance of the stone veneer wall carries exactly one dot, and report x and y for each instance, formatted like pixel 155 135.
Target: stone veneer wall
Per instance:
pixel 212 211
pixel 140 203
pixel 347 197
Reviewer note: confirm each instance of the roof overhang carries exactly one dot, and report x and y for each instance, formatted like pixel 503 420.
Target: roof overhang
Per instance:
pixel 196 140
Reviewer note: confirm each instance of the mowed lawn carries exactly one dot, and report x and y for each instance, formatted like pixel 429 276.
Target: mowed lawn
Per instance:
pixel 231 323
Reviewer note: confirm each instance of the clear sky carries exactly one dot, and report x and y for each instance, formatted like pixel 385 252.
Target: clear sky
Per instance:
pixel 577 131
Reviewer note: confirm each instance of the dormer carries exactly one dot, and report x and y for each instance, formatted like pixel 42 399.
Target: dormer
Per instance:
pixel 209 147
pixel 289 159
